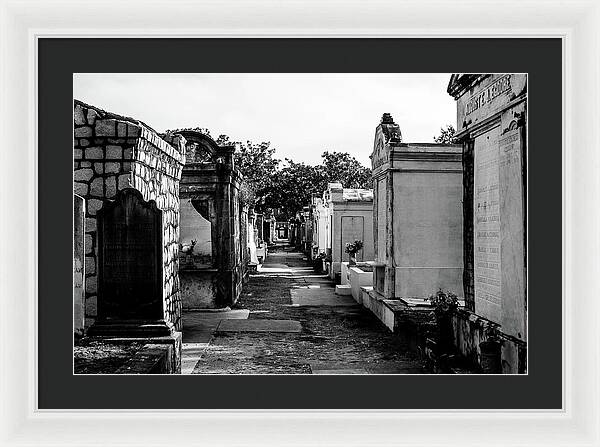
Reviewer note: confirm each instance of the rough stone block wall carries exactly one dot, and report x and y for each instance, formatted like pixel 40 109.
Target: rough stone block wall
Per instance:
pixel 111 153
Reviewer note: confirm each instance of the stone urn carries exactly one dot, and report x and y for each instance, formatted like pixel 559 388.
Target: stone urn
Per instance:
pixel 352 260
pixel 491 357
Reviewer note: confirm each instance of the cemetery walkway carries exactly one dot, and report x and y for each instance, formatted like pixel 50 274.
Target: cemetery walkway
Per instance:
pixel 290 321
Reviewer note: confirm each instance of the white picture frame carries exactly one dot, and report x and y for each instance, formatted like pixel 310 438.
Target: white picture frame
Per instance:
pixel 576 23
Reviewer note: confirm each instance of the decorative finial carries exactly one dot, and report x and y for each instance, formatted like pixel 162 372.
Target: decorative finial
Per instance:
pixel 387 119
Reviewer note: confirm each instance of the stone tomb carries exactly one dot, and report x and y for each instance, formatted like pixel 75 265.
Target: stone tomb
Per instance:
pixel 418 220
pixel 350 218
pixel 78 265
pixel 130 262
pixel 213 236
pixel 491 123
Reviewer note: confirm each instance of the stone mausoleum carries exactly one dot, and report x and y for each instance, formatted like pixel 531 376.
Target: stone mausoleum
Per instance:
pixel 491 127
pixel 417 216
pixel 213 234
pixel 127 177
pixel 344 215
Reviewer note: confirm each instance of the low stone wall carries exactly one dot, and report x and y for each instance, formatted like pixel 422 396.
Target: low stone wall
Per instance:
pixel 198 288
pixel 345 277
pixel 99 355
pixel 469 332
pixel 359 278
pixel 113 152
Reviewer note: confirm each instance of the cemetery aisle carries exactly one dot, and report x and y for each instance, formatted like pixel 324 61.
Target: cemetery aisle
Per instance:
pixel 289 321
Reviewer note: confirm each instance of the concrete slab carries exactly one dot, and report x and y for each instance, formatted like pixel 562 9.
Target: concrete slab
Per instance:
pixel 199 326
pixel 190 355
pixel 343 290
pixel 335 368
pixel 259 326
pixel 319 297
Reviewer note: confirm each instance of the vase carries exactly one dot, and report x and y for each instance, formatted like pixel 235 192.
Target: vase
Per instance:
pixel 491 357
pixel 352 260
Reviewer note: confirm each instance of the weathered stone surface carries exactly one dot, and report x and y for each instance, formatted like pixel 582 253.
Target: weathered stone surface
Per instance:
pixel 90 224
pixel 512 230
pixel 159 183
pixel 133 130
pixel 93 206
pixel 94 153
pixel 319 297
pixel 114 152
pixel 486 219
pixel 124 181
pixel 90 265
pixel 90 284
pixel 84 142
pixel 91 116
pixel 88 243
pixel 111 186
pixel 83 175
pixel 105 128
pixel 78 117
pixel 80 188
pixel 82 132
pixel 77 154
pixel 91 306
pixel 111 167
pixel 97 187
pixel 79 269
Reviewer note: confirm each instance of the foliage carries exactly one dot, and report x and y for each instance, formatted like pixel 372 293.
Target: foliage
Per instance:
pixel 492 332
pixel 258 165
pixel 446 135
pixel 354 247
pixel 295 183
pixel 202 130
pixel 343 168
pixel 292 187
pixel 444 302
pixel 288 188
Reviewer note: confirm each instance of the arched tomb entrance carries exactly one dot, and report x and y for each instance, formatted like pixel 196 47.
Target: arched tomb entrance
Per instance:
pixel 210 243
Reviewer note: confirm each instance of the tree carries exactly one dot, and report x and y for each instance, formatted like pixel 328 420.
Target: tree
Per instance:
pixel 259 168
pixel 295 183
pixel 446 135
pixel 293 186
pixel 343 168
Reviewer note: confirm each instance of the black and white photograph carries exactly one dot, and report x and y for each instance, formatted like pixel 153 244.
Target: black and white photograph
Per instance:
pixel 300 223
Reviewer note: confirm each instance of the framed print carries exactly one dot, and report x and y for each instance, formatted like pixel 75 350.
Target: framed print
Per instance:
pixel 316 230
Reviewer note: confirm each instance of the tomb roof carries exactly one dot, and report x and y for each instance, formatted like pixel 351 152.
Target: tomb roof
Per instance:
pixel 357 195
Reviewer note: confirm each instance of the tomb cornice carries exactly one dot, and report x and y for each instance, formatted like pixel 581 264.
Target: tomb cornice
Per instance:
pixel 472 130
pixel 461 82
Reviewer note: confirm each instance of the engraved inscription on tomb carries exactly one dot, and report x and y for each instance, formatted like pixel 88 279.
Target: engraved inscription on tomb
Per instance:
pixel 487 255
pixel 488 94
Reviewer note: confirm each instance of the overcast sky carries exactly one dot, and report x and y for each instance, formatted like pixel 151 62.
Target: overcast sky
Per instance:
pixel 302 115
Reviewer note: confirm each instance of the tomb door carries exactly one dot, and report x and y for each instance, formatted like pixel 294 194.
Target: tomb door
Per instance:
pixel 130 252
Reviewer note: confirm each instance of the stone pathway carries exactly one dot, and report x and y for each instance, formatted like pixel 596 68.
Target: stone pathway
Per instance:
pixel 289 321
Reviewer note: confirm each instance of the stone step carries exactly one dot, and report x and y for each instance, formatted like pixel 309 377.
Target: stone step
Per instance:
pixel 343 289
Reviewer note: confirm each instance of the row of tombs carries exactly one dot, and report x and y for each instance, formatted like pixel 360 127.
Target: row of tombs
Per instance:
pixel 439 216
pixel 160 225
